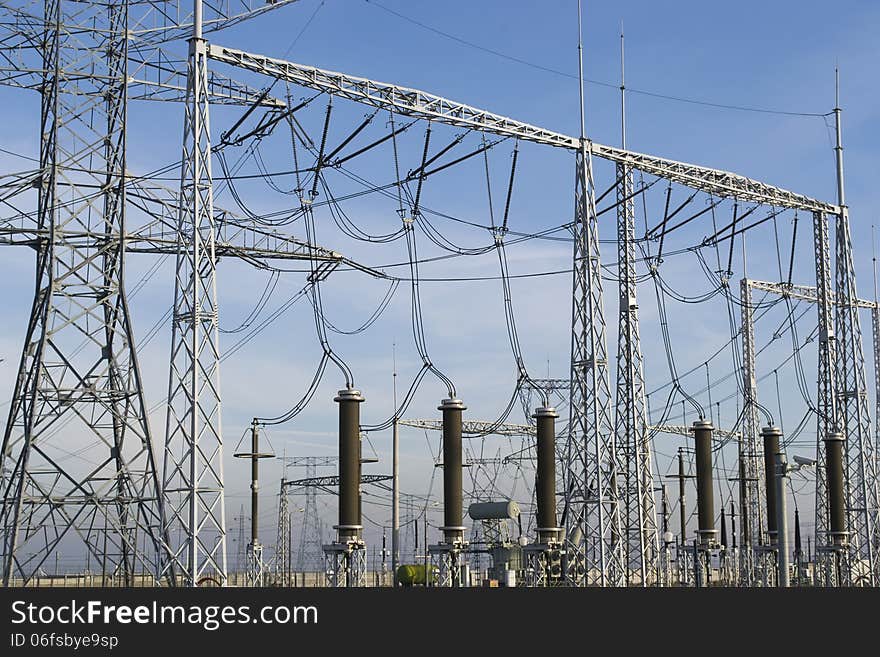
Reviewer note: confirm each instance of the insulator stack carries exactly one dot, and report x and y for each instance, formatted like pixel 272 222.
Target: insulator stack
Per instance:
pixel 771 437
pixel 834 478
pixel 545 481
pixel 349 527
pixel 453 530
pixel 705 497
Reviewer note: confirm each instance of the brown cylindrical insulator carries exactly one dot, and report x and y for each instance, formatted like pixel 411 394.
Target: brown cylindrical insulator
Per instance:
pixel 545 478
pixel 771 437
pixel 349 464
pixel 834 444
pixel 705 495
pixel 453 530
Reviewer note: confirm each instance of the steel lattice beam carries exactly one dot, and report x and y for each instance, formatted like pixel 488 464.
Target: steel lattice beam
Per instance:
pixel 169 20
pixel 235 236
pixel 860 459
pixel 153 73
pixel 800 292
pixel 420 104
pixel 332 481
pixel 474 428
pixel 685 430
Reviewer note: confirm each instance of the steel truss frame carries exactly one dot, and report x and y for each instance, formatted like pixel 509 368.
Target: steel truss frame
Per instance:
pixel 631 422
pixel 751 472
pixel 448 561
pixel 862 507
pixel 420 104
pixel 79 362
pixel 473 427
pixel 345 564
pixel 594 466
pixel 594 471
pixel 193 473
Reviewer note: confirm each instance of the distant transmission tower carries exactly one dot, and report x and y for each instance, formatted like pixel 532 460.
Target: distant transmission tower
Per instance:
pixel 282 559
pixel 310 554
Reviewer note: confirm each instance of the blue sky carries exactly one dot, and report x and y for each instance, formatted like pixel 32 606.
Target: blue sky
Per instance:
pixel 776 56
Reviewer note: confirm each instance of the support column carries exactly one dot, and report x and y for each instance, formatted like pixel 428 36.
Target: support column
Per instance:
pixel 781 474
pixel 545 481
pixel 593 466
pixel 255 565
pixel 395 498
pixel 749 449
pixel 193 473
pixel 255 570
pixel 771 551
pixel 861 492
pixel 453 529
pixel 706 532
pixel 828 554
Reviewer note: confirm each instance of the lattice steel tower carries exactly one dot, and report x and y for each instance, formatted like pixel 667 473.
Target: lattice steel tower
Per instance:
pixel 193 473
pixel 630 425
pixel 590 475
pixel 78 382
pixel 750 470
pixel 309 555
pixel 79 372
pixel 827 552
pixel 860 459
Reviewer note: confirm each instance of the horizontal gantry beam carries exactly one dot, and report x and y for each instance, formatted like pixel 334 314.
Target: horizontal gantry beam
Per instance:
pixel 168 20
pixel 474 428
pixel 423 105
pixel 684 430
pixel 331 481
pixel 800 292
pixel 246 244
pixel 235 236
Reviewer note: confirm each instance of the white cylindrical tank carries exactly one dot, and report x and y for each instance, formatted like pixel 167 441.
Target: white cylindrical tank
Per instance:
pixel 507 509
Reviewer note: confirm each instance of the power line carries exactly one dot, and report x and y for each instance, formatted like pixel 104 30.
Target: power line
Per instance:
pixel 609 85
